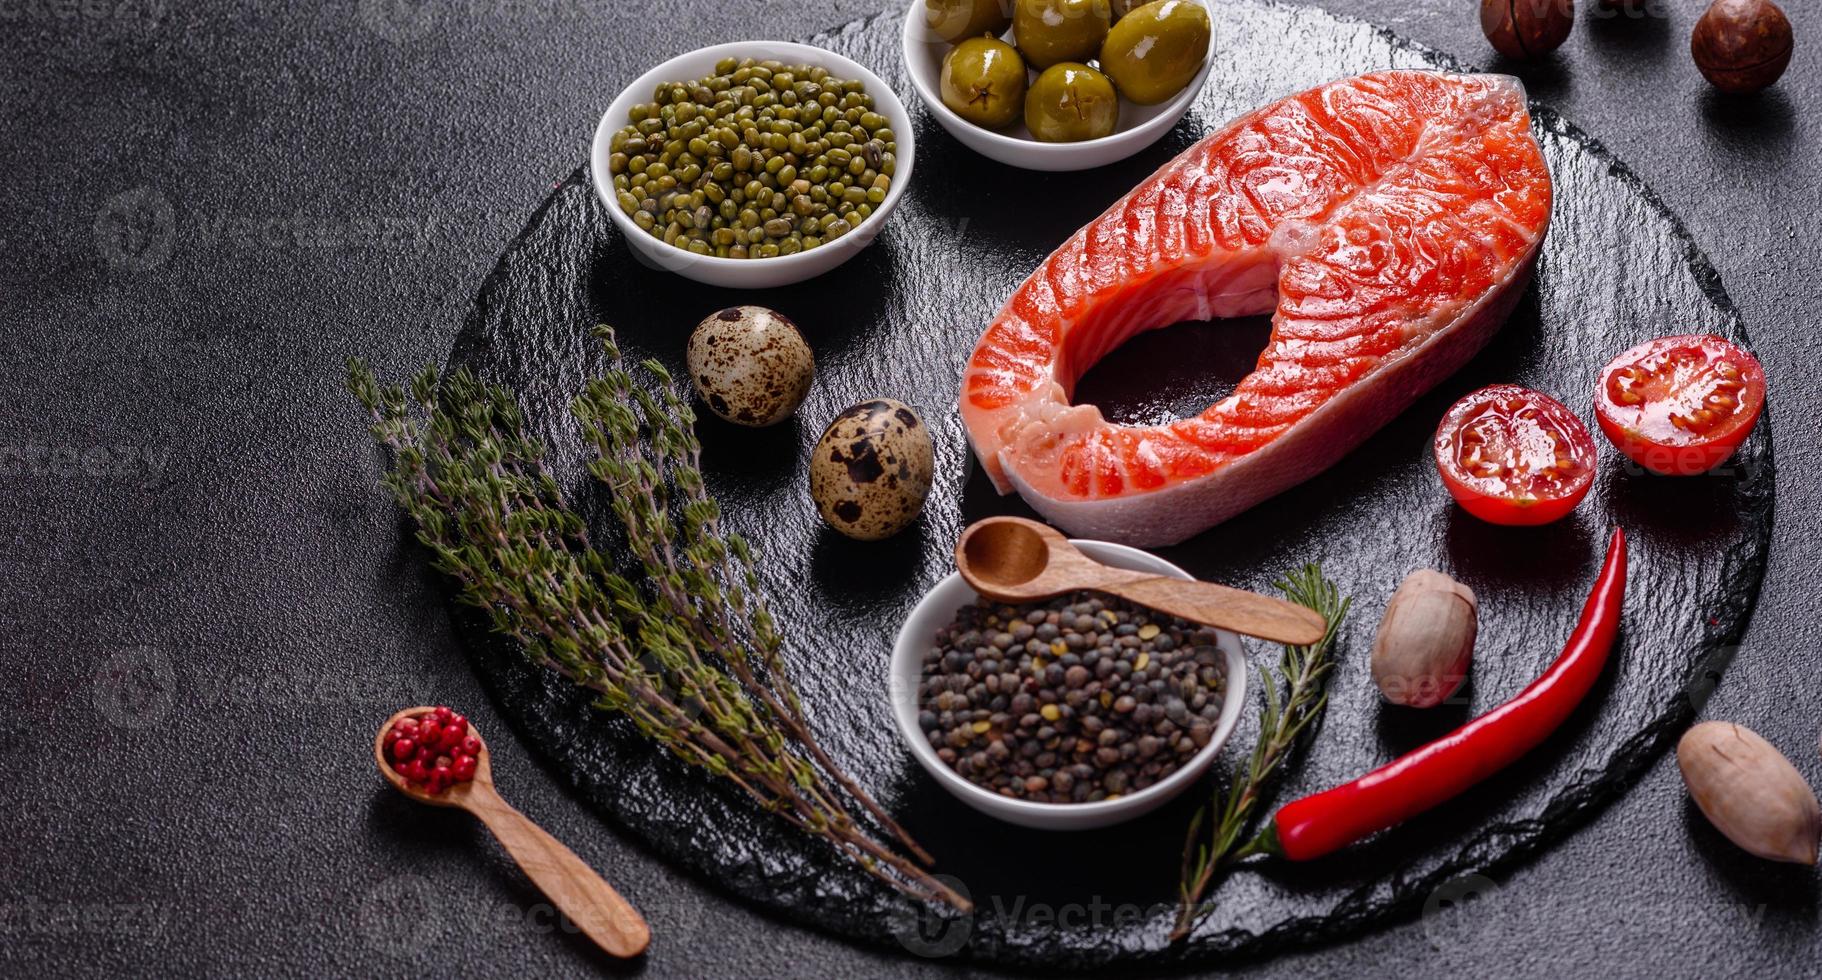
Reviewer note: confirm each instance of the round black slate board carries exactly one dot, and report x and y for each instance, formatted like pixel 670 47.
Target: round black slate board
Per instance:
pixel 900 320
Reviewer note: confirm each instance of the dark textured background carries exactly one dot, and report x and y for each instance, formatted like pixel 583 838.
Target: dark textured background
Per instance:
pixel 206 604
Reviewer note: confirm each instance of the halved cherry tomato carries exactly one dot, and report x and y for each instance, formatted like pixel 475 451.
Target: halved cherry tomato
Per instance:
pixel 1680 405
pixel 1511 455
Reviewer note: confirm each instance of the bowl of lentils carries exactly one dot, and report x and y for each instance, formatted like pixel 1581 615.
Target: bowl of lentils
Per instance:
pixel 752 164
pixel 1075 712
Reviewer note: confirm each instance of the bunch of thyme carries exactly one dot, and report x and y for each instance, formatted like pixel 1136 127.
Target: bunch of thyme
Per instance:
pixel 1283 718
pixel 685 649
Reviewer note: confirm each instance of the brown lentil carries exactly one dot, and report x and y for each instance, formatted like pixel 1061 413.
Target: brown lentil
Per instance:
pixel 1076 699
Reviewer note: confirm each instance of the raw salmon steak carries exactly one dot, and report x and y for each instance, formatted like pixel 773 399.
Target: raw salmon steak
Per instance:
pixel 1389 222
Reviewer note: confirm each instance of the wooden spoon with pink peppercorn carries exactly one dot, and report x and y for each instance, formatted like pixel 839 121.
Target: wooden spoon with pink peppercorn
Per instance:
pixel 572 886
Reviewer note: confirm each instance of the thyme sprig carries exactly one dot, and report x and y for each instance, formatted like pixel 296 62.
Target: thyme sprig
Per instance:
pixel 1284 717
pixel 685 649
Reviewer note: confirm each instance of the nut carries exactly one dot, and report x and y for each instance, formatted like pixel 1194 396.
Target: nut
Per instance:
pixel 1741 46
pixel 1425 640
pixel 1522 29
pixel 1750 792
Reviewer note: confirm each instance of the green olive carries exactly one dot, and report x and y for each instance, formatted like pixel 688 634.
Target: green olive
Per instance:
pixel 1049 31
pixel 984 82
pixel 1071 102
pixel 1156 49
pixel 953 20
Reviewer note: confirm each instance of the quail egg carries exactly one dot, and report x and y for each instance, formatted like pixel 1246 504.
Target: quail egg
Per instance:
pixel 871 470
pixel 750 365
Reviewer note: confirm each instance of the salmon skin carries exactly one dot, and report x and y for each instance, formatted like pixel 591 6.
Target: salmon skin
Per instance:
pixel 1388 221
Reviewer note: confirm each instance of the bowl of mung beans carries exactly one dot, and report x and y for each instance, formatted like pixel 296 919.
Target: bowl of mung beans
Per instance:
pixel 1076 712
pixel 752 164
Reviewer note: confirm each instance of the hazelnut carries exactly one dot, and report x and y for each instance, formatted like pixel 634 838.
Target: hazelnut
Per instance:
pixel 1750 792
pixel 1741 46
pixel 1425 640
pixel 1522 29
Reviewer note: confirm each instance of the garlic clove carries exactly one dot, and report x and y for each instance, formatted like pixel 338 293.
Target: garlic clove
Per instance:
pixel 1425 642
pixel 1750 792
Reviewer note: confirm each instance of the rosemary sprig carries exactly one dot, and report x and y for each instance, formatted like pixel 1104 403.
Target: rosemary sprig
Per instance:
pixel 686 649
pixel 1283 718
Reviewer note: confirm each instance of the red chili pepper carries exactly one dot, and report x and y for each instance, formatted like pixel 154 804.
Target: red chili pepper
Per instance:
pixel 1421 779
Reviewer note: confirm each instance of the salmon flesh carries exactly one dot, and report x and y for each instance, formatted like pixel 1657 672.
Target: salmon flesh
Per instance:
pixel 1388 222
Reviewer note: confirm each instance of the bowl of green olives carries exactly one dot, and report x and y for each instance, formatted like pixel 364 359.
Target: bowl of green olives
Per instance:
pixel 1058 84
pixel 752 164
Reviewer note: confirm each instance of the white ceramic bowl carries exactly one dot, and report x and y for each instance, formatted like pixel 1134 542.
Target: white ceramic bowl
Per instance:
pixel 1139 125
pixel 938 609
pixel 780 270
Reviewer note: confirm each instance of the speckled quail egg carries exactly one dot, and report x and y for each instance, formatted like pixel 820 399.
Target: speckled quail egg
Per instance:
pixel 871 470
pixel 750 365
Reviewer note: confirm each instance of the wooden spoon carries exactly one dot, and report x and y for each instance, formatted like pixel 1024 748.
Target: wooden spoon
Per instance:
pixel 1011 559
pixel 574 887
